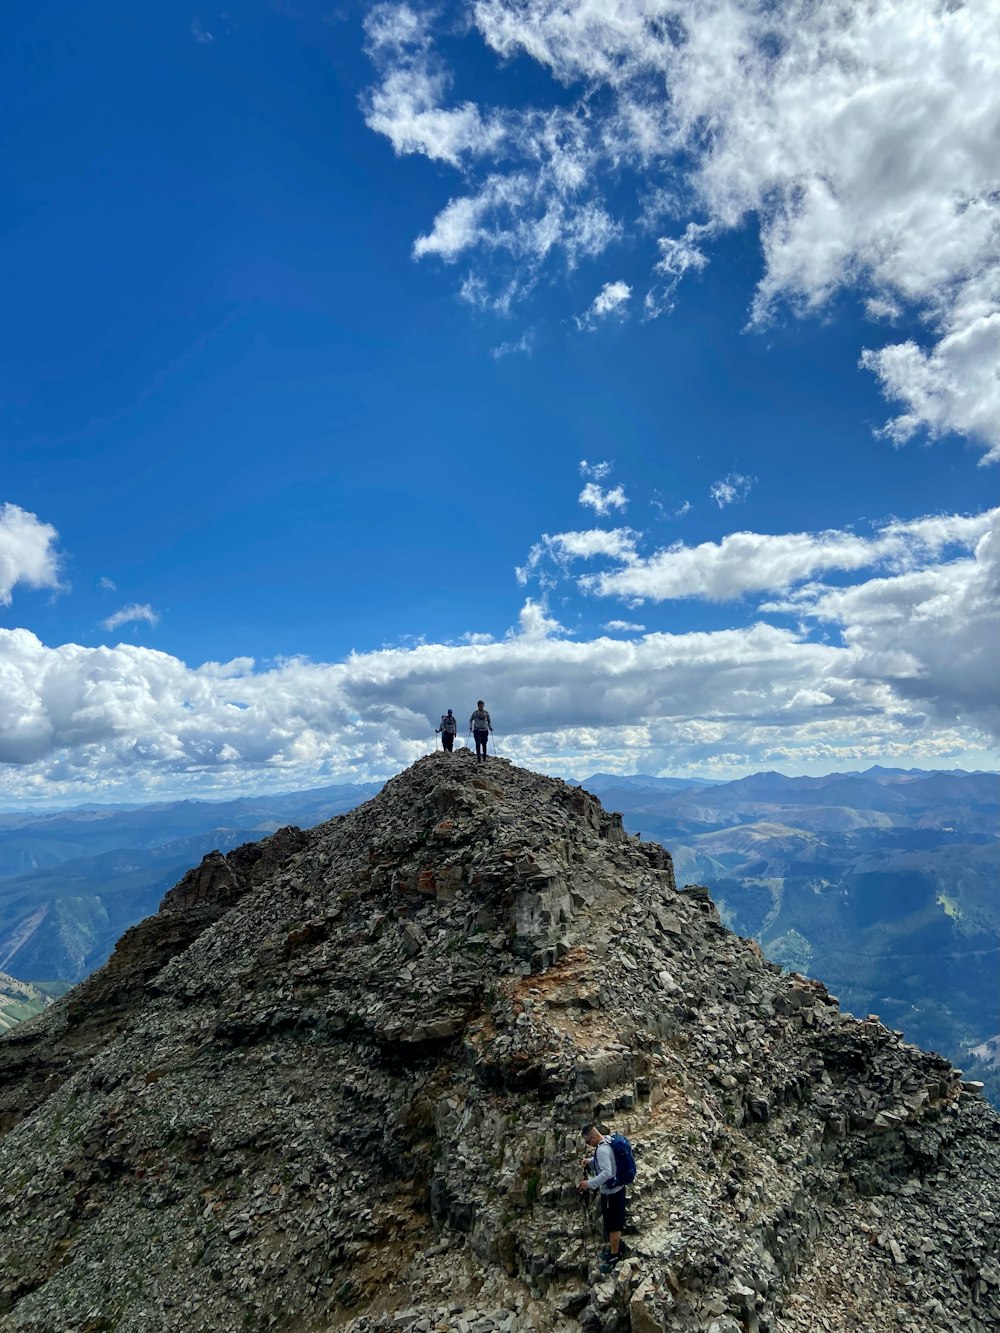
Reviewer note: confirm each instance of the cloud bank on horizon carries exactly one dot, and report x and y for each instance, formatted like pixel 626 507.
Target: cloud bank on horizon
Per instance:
pixel 859 140
pixel 904 667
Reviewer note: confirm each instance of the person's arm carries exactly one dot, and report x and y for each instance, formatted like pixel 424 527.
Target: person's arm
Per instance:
pixel 604 1164
pixel 489 724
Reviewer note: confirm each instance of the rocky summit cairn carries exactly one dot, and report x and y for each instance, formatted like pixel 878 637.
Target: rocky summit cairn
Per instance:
pixel 338 1082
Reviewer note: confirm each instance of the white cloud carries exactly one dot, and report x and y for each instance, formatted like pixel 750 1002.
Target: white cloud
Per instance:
pixel 877 307
pixel 749 562
pixel 535 624
pixel 859 139
pixel 523 344
pixel 611 299
pixel 516 215
pixel 563 547
pixel 595 471
pixel 108 585
pixel 907 670
pixel 95 721
pixel 731 489
pixel 201 34
pixel 677 257
pixel 406 106
pixel 602 501
pixel 132 614
pixel 27 552
pixel 954 387
pixel 931 634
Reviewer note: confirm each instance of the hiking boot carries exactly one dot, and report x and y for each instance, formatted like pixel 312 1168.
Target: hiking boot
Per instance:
pixel 623 1251
pixel 609 1264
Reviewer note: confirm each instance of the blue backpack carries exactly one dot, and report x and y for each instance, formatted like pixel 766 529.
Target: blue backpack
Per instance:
pixel 624 1160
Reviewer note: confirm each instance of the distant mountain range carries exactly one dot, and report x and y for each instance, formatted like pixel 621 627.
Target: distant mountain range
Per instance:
pixel 71 882
pixel 20 1000
pixel 883 884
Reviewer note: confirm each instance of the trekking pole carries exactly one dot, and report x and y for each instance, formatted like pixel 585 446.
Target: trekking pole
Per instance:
pixel 496 752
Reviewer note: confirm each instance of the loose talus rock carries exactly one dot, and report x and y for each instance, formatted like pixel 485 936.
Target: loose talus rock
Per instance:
pixel 338 1081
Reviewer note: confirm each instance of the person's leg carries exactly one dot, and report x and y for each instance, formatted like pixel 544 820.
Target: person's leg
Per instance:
pixel 447 740
pixel 616 1220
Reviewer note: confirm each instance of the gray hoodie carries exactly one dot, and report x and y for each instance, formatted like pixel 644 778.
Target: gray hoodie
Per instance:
pixel 603 1164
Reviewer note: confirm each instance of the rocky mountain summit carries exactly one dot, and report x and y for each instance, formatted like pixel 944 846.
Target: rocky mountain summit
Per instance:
pixel 338 1082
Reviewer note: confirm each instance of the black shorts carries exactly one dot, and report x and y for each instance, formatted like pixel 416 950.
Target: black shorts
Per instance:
pixel 613 1211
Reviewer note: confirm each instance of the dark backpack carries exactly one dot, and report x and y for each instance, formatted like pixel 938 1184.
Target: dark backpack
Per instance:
pixel 624 1160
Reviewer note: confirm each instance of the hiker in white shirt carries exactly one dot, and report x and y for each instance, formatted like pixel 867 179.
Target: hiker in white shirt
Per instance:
pixel 480 726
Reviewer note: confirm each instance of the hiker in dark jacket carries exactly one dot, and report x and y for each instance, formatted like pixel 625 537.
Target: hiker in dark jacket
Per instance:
pixel 448 729
pixel 612 1195
pixel 480 726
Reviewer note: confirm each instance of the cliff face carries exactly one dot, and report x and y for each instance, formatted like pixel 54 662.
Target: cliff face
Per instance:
pixel 339 1080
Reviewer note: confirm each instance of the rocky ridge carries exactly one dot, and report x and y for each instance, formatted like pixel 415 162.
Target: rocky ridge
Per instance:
pixel 338 1082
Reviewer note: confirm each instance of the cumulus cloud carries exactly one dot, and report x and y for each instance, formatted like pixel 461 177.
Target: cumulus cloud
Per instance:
pixel 77 720
pixel 27 552
pixel 603 501
pixel 132 614
pixel 731 489
pixel 859 139
pixel 753 562
pixel 930 634
pixel 535 623
pixel 905 667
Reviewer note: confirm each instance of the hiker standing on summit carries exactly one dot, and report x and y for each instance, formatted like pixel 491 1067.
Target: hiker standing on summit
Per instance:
pixel 605 1166
pixel 448 729
pixel 480 726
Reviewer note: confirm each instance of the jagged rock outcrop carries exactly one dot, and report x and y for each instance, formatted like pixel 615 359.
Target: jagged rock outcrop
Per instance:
pixel 339 1080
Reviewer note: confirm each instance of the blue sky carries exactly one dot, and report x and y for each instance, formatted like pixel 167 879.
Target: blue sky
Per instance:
pixel 634 369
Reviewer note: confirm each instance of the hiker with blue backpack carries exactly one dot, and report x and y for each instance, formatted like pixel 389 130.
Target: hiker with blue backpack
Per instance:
pixel 613 1167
